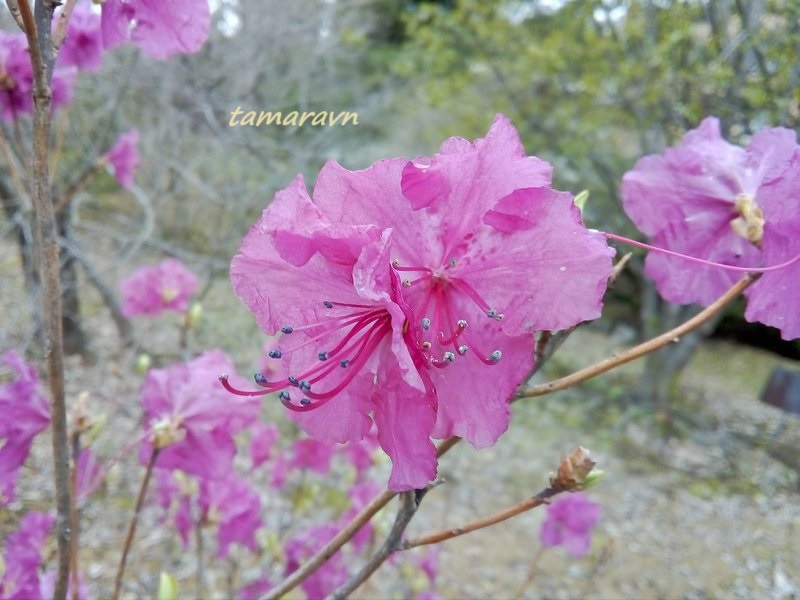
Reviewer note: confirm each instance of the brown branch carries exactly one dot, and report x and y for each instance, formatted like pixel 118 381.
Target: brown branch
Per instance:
pixel 671 336
pixel 408 508
pixel 512 511
pixel 333 546
pixel 13 7
pixel 572 475
pixel 61 29
pixel 37 31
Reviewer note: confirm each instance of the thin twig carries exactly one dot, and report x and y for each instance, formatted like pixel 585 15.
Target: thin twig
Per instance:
pixel 333 546
pixel 408 508
pixel 671 336
pixel 13 7
pixel 74 520
pixel 61 29
pixel 505 514
pixel 132 525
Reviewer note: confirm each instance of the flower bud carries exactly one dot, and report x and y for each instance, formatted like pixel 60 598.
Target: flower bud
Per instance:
pixel 573 471
pixel 143 363
pixel 193 314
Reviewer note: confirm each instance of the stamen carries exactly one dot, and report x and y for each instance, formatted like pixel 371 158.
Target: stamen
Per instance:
pixel 701 261
pixel 327 304
pixel 397 267
pixel 260 379
pixel 293 381
pixel 287 329
pixel 462 349
pixel 284 395
pixel 275 353
pixel 426 323
pixel 322 356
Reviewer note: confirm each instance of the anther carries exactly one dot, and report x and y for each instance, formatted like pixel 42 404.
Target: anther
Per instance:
pixel 344 363
pixel 327 304
pixel 452 262
pixel 462 349
pixel 461 324
pixel 323 356
pixel 426 345
pixel 292 380
pixel 449 356
pixel 406 283
pixel 304 385
pixel 395 263
pixel 275 353
pixel 283 395
pixel 286 329
pixel 426 323
pixel 260 379
pixel 305 402
pixel 491 313
pixel 500 317
pixel 495 356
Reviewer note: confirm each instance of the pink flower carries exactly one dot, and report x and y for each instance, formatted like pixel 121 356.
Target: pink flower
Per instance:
pixel 88 474
pixel 313 455
pixel 192 419
pixel 569 523
pixel 22 557
pixel 254 590
pixel 491 255
pixel 26 412
pixel 16 76
pixel 16 79
pixel 719 202
pixel 124 157
pixel 159 29
pixel 235 508
pixel 47 586
pixel 330 575
pixel 262 441
pixel 83 47
pixel 154 289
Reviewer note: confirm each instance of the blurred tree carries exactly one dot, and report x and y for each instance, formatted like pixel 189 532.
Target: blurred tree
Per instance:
pixel 593 85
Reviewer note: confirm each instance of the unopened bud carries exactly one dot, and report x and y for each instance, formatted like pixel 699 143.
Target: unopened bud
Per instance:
pixel 193 314
pixel 142 364
pixel 167 587
pixel 573 471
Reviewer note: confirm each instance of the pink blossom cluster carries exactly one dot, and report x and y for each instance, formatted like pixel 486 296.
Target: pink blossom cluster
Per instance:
pixel 196 427
pixel 154 289
pixel 26 413
pixel 408 294
pixel 710 199
pixel 123 157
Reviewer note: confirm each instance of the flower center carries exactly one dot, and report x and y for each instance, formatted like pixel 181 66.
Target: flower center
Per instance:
pixel 437 294
pixel 749 223
pixel 343 343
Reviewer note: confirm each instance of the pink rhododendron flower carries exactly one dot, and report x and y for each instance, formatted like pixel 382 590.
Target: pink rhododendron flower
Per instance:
pixel 723 203
pixel 47 586
pixel 569 523
pixel 16 76
pixel 254 590
pixel 22 557
pixel 301 547
pixel 313 455
pixel 415 289
pixel 16 79
pixel 83 46
pixel 191 419
pixel 88 474
pixel 124 157
pixel 154 289
pixel 233 505
pixel 26 412
pixel 159 29
pixel 262 441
